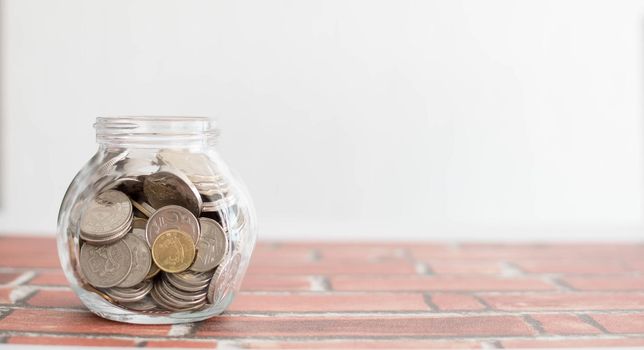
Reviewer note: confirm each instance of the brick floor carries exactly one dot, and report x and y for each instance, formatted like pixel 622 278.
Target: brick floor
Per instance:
pixel 332 295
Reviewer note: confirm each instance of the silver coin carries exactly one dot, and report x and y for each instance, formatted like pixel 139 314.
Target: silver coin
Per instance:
pixel 129 295
pixel 106 214
pixel 197 166
pixel 167 301
pixel 197 282
pixel 181 294
pixel 106 265
pixel 144 208
pixel 221 281
pixel 145 304
pixel 211 247
pixel 172 217
pixel 171 188
pixel 141 261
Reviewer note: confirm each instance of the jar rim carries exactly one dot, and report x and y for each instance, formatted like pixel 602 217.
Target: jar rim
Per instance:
pixel 153 131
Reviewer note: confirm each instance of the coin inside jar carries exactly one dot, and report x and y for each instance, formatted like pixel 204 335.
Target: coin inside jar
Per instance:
pixel 106 265
pixel 107 217
pixel 172 217
pixel 171 188
pixel 141 261
pixel 173 251
pixel 211 247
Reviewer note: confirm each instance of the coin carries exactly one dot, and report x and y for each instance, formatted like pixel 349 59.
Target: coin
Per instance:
pixel 222 280
pixel 211 247
pixel 171 188
pixel 141 261
pixel 145 304
pixel 106 215
pixel 172 217
pixel 197 166
pixel 129 294
pixel 173 251
pixel 143 207
pixel 106 265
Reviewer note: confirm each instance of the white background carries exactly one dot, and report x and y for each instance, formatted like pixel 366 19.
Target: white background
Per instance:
pixel 348 119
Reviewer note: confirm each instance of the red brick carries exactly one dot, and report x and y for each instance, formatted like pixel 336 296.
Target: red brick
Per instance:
pixel 363 344
pixel 566 301
pixel 437 283
pixel 606 282
pixel 454 302
pixel 55 298
pixel 28 252
pixel 571 266
pixel 564 324
pixel 74 341
pixel 571 343
pixel 504 252
pixel 329 302
pixel 182 344
pixel 621 323
pixel 352 253
pixel 5 296
pixel 6 277
pixel 49 278
pixel 276 283
pixel 464 267
pixel 331 267
pixel 73 322
pixel 364 326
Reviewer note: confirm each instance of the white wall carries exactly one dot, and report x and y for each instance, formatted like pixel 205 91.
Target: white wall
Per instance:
pixel 349 118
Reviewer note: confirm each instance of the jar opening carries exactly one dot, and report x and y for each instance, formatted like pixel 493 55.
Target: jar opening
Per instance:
pixel 155 131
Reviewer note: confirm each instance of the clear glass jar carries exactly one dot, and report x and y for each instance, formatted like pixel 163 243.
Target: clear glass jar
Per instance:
pixel 155 229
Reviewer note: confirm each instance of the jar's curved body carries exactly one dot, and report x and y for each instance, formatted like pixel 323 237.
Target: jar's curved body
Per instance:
pixel 148 179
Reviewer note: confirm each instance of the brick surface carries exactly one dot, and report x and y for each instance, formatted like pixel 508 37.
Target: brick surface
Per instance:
pixel 338 295
pixel 66 340
pixel 331 267
pixel 181 344
pixel 464 267
pixel 28 252
pixel 437 283
pixel 568 266
pixel 276 283
pixel 365 326
pixel 73 322
pixel 618 283
pixel 571 343
pixel 49 278
pixel 327 302
pixel 55 298
pixel 563 324
pixel 616 323
pixel 455 302
pixel 566 301
pixel 363 344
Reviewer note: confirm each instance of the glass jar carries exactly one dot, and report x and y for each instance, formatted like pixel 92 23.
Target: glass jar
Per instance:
pixel 155 229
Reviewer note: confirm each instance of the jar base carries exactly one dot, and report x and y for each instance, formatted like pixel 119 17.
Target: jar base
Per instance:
pixel 104 309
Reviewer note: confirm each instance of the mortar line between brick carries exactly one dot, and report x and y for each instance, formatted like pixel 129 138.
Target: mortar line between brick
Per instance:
pixel 495 344
pixel 591 321
pixel 483 302
pixel 479 338
pixel 428 300
pixel 534 324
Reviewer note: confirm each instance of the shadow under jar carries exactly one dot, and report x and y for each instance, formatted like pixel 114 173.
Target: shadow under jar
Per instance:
pixel 154 228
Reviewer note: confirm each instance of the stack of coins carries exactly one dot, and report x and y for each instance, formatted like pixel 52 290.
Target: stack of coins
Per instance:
pixel 162 241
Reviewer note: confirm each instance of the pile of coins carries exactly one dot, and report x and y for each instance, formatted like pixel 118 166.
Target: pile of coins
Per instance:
pixel 163 241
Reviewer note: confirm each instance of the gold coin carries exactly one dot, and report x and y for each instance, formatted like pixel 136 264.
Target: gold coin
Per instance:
pixel 173 251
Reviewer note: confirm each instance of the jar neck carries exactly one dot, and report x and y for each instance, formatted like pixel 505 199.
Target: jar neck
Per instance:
pixel 155 132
